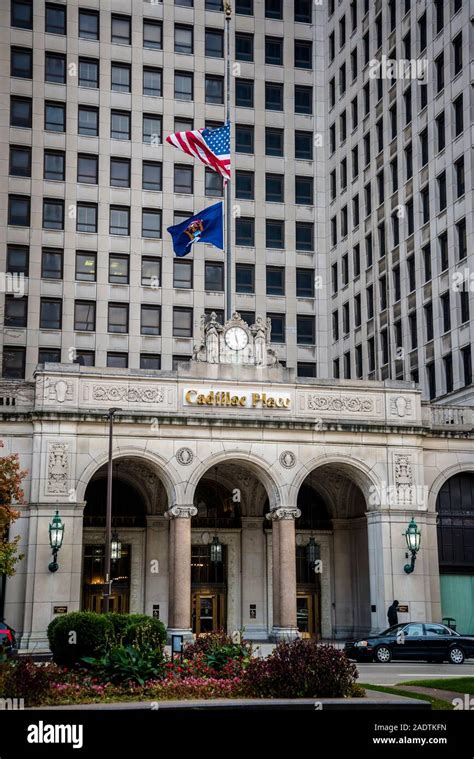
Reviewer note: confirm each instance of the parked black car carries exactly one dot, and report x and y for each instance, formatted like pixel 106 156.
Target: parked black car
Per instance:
pixel 428 641
pixel 7 640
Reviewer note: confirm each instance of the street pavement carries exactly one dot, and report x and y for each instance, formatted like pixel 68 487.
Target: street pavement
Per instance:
pixel 399 671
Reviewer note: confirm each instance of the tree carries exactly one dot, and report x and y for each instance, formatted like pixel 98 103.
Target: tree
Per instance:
pixel 11 492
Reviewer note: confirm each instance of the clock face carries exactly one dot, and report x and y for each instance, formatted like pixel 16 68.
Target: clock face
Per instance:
pixel 236 338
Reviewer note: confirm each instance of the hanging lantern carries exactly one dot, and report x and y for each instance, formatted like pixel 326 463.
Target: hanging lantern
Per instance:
pixel 312 552
pixel 115 548
pixel 216 550
pixel 56 535
pixel 413 539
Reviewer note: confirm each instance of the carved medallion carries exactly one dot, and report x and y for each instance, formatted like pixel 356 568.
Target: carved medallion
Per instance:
pixel 287 459
pixel 185 456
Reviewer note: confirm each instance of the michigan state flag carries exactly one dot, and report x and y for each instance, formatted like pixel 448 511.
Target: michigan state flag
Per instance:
pixel 205 226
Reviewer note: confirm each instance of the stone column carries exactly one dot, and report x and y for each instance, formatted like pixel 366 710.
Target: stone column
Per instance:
pixel 284 573
pixel 179 618
pixel 253 578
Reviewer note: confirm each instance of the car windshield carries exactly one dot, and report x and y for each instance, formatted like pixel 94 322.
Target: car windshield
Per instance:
pixel 393 630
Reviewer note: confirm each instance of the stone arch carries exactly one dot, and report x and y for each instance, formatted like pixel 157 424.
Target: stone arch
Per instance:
pixel 356 471
pixel 444 476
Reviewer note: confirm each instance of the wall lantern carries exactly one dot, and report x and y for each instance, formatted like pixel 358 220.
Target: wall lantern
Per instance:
pixel 216 550
pixel 56 535
pixel 115 548
pixel 413 538
pixel 312 552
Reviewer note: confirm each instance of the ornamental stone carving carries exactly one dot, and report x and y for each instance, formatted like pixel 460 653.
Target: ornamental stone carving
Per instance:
pixel 181 512
pixel 287 459
pixel 284 512
pixel 404 478
pixel 185 456
pixel 58 469
pixel 59 391
pixel 401 406
pixel 352 404
pixel 128 393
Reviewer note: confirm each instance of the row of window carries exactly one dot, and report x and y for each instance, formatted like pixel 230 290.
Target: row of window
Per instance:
pixel 88 70
pixel 51 318
pixel 340 273
pixel 55 19
pixel 86 216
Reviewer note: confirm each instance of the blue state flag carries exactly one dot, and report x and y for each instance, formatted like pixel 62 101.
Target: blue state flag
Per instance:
pixel 205 226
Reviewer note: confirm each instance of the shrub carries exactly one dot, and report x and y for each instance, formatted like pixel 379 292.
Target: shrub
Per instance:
pixel 127 664
pixel 23 678
pixel 145 631
pixel 217 649
pixel 92 632
pixel 301 669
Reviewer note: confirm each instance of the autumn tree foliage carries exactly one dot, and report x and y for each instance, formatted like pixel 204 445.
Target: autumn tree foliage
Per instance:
pixel 11 494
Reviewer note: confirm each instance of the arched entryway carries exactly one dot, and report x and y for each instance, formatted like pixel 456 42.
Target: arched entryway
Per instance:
pixel 139 502
pixel 455 527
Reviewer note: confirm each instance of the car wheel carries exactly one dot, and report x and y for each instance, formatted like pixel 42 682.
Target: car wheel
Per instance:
pixel 456 655
pixel 383 655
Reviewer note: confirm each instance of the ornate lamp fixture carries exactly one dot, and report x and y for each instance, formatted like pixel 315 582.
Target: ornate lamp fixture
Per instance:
pixel 413 538
pixel 56 535
pixel 216 545
pixel 115 548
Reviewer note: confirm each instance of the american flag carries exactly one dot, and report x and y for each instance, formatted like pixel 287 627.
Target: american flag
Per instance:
pixel 211 146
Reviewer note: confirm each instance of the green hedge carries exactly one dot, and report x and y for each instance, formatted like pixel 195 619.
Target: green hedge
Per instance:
pixel 83 633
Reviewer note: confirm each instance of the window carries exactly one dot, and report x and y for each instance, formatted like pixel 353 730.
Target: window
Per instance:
pixel 214 5
pixel 459 176
pixel 49 355
pixel 121 77
pixel 55 19
pixel 150 361
pixel 20 161
pixel 443 251
pixel 16 311
pixel 118 269
pixel 85 358
pixel 243 46
pixel 303 54
pixel 84 316
pixel 87 121
pixel 54 165
pixel 440 132
pixel 55 117
pixel 458 116
pixel 151 223
pixel 425 205
pixel 303 99
pixel 304 190
pixel 439 14
pixel 274 9
pixel 441 181
pixel 88 24
pixel 466 365
pixel 278 327
pixel 50 313
pixel 245 278
pixel 51 263
pixel 457 53
pixel 151 272
pixel 305 330
pixel 244 7
pixel 153 81
pixel 183 85
pixel 151 176
pixel 426 251
pixel 346 318
pixel 274 188
pixel 182 322
pixel 439 68
pixel 18 259
pixel 88 72
pixel 244 93
pixel 21 15
pixel 244 138
pixel 213 183
pixel 19 210
pixel 335 326
pixel 448 375
pixel 87 168
pixel 152 34
pixel 117 320
pixel 464 298
pixel 182 274
pixel 304 145
pixel 117 360
pixel 86 266
pixel 86 217
pixel 244 185
pixel 461 239
pixel 53 213
pixel 245 231
pixel 120 125
pixel 273 96
pixel 214 276
pixel 183 178
pixel 275 280
pixel 150 320
pixel 21 62
pixel 13 362
pixel 274 51
pixel 214 89
pixel 152 129
pixel 446 311
pixel 183 39
pixel 275 234
pixel 121 30
pixel 21 111
pixel 120 172
pixel 55 68
pixel 303 14
pixel 304 283
pixel 214 43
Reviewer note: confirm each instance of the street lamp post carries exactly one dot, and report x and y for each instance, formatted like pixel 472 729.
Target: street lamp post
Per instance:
pixel 108 517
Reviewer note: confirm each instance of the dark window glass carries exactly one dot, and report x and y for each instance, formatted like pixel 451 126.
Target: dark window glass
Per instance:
pixel 274 51
pixel 50 313
pixel 245 231
pixel 53 214
pixel 245 278
pixel 55 117
pixel 21 62
pixel 274 188
pixel 150 361
pixel 303 99
pixel 84 316
pixel 306 369
pixel 19 210
pixel 120 125
pixel 244 138
pixel 55 19
pixel 16 311
pixel 88 121
pixel 304 283
pixel 119 269
pixel 274 141
pixel 86 217
pixel 275 280
pixel 244 185
pixel 214 89
pixel 305 330
pixel 55 68
pixel 183 85
pixel 86 266
pixel 51 263
pixel 214 276
pixel 278 327
pixel 273 96
pixel 21 111
pixel 151 272
pixel 117 360
pixel 120 77
pixel 183 39
pixel 244 7
pixel 183 178
pixel 182 274
pixel 275 234
pixel 213 183
pixel 117 320
pixel 13 362
pixel 243 46
pixel 304 145
pixel 88 72
pixel 20 161
pixel 119 220
pixel 150 322
pixel 152 34
pixel 152 129
pixel 88 24
pixel 120 172
pixel 304 236
pixel 304 54
pixel 87 168
pixel 21 15
pixel 18 259
pixel 274 9
pixel 304 190
pixel 182 322
pixel 244 93
pixel 121 30
pixel 49 355
pixel 151 223
pixel 152 175
pixel 303 14
pixel 214 43
pixel 85 358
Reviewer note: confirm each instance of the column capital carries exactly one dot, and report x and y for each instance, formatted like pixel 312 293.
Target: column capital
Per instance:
pixel 284 512
pixel 181 511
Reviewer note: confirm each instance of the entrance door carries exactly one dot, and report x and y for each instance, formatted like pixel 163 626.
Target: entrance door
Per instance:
pixel 208 611
pixel 307 619
pixel 94 577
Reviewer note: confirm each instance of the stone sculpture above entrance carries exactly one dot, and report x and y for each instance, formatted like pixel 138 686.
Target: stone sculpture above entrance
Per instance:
pixel 235 342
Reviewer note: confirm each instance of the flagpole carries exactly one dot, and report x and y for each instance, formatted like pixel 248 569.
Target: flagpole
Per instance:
pixel 228 196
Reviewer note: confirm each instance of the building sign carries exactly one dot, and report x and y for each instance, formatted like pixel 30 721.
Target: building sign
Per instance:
pixel 235 399
pixel 403 608
pixel 59 609
pixel 156 611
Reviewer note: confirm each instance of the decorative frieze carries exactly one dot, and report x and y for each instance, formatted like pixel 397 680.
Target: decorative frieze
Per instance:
pixel 58 469
pixel 127 393
pixel 404 478
pixel 351 404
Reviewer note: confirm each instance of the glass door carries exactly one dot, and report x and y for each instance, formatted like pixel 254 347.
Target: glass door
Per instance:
pixel 307 615
pixel 94 578
pixel 207 611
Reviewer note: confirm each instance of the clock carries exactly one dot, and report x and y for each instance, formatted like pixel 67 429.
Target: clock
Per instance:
pixel 236 338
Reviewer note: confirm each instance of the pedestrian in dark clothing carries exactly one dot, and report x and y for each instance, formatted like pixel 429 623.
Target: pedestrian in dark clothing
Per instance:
pixel 392 614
